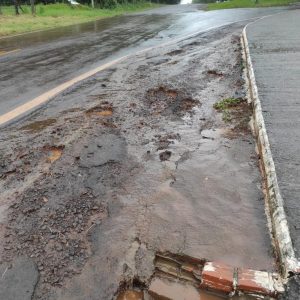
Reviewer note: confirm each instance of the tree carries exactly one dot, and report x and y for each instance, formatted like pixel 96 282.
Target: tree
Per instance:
pixel 32 7
pixel 16 4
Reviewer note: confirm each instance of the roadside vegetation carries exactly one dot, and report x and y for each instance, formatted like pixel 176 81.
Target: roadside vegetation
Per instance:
pixel 212 5
pixel 225 105
pixel 57 15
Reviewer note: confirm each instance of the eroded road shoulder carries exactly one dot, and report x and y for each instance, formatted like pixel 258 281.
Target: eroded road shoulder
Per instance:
pixel 133 161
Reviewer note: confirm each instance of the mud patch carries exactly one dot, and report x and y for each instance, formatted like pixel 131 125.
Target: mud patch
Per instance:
pixel 163 100
pixel 163 156
pixel 105 109
pixel 175 52
pixel 164 141
pixel 107 123
pixel 38 125
pixel 54 152
pixel 131 295
pixel 215 73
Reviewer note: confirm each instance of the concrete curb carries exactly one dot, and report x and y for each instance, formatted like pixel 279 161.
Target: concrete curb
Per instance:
pixel 274 202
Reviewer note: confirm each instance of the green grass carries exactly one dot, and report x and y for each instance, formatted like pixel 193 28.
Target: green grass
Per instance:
pixel 248 3
pixel 225 105
pixel 57 15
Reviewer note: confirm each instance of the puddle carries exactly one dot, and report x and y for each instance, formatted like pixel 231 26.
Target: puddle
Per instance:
pixel 164 289
pixel 131 295
pixel 105 109
pixel 38 125
pixel 176 277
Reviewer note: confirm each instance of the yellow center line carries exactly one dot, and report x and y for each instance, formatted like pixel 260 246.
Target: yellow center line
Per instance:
pixel 8 52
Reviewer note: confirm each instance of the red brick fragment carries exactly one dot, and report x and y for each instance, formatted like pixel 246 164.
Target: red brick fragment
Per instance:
pixel 252 281
pixel 217 276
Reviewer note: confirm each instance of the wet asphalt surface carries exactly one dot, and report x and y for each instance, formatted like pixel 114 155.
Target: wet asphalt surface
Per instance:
pixel 275 52
pixel 47 59
pixel 276 65
pixel 130 162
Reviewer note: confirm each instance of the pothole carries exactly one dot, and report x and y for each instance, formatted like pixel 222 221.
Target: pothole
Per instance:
pixel 163 156
pixel 54 153
pixel 131 295
pixel 176 277
pixel 163 100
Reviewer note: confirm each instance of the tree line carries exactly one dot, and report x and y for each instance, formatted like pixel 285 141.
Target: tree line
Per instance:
pixel 108 4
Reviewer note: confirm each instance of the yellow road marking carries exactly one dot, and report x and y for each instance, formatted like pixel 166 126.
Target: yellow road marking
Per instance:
pixel 8 52
pixel 46 96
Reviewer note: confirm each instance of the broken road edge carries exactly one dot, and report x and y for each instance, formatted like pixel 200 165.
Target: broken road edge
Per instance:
pixel 278 225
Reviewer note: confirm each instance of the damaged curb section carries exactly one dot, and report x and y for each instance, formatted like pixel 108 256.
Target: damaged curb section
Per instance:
pixel 219 277
pixel 224 278
pixel 275 209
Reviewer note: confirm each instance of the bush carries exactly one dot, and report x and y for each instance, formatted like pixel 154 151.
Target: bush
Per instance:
pixel 108 4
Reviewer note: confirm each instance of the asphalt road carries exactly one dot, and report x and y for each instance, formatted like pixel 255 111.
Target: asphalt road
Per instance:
pixel 275 51
pixel 40 61
pixel 129 162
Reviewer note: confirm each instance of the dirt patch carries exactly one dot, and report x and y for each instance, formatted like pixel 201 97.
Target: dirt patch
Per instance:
pixel 163 141
pixel 131 295
pixel 163 100
pixel 54 152
pixel 105 109
pixel 165 155
pixel 38 125
pixel 175 52
pixel 215 73
pixel 107 123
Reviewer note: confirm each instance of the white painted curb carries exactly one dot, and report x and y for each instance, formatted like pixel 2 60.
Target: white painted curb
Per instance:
pixel 275 204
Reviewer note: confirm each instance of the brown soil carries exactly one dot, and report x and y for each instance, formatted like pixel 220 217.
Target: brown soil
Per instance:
pixel 164 100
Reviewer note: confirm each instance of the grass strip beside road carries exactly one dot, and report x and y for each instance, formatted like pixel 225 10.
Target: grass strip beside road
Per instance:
pixel 58 15
pixel 248 3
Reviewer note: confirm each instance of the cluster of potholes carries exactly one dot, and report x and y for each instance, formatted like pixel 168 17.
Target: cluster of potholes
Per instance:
pixel 33 221
pixel 57 238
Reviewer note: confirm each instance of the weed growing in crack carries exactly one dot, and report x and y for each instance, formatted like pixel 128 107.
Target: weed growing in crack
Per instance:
pixel 225 105
pixel 226 117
